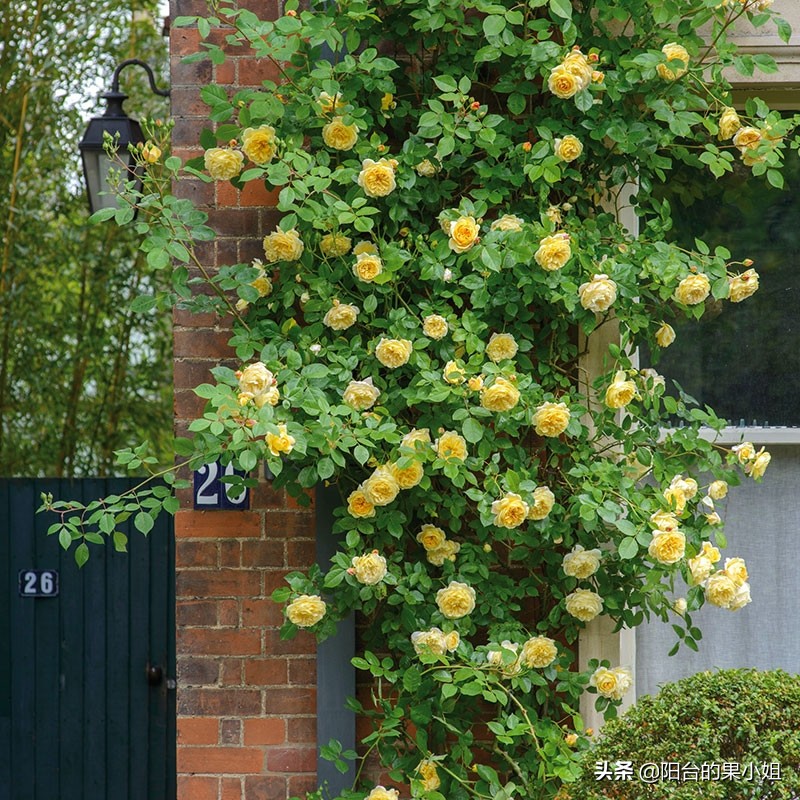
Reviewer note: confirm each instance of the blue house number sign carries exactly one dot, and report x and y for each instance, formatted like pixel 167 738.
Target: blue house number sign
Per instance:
pixel 210 492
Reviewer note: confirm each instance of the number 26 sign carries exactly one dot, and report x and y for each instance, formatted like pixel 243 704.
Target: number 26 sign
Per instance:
pixel 211 492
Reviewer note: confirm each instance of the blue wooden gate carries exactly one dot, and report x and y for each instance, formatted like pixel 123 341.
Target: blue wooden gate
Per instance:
pixel 87 700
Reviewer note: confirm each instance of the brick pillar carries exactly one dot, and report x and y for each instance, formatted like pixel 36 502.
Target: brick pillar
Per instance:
pixel 246 700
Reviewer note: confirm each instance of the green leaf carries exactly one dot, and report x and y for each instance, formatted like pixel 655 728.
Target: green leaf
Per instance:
pixel 143 522
pixel 628 548
pixel 247 460
pixel 325 468
pixel 561 8
pixel 473 430
pixel 447 83
pixel 494 25
pixel 120 542
pixel 102 215
pixel 81 554
pixel 584 100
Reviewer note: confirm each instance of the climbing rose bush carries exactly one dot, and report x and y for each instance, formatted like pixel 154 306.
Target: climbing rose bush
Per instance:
pixel 420 333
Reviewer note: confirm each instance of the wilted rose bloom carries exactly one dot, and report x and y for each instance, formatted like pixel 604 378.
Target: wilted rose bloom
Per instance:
pixel 598 294
pixel 620 392
pixel 667 547
pixel 508 222
pixel 693 289
pixel 283 246
pixel 612 683
pixel 758 467
pixel 428 776
pixel 673 52
pixel 358 505
pixel 464 233
pixel 339 136
pixel 451 446
pixel 743 286
pixel 686 485
pixel 453 373
pixel 340 316
pixel 377 177
pixel 538 652
pixel 718 489
pixel 676 497
pixel 271 396
pixel 367 267
pixel 361 395
pixel 713 518
pixel 426 168
pixel 584 604
pixel 335 244
pixel 393 353
pixel 741 598
pixel 447 552
pixel 543 502
pixel 551 419
pixel 431 537
pixel 380 793
pixel 554 214
pixel 280 443
pixel 569 148
pixel 408 477
pixel 259 144
pixel 456 600
pixel 665 335
pixel 580 563
pixel 306 610
pixel 502 395
pixel 509 511
pixel 223 164
pixel 370 568
pixel 554 252
pixel 729 123
pixel 430 641
pixel 720 590
pixel 679 606
pixel 434 326
pixel 501 346
pixel 381 488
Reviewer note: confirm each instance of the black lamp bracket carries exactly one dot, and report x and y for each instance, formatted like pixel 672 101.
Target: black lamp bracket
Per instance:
pixel 150 77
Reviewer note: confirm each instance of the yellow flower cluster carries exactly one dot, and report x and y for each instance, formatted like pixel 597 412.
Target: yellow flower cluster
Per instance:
pixel 572 75
pixel 501 395
pixel 369 569
pixel 612 683
pixel 510 511
pixel 743 286
pixel 340 316
pixel 381 487
pixel 726 588
pixel 620 392
pixel 755 463
pixel 435 641
pixel 409 476
pixel 257 384
pixel 679 491
pixel 438 548
pixel 667 547
pixel 677 62
pixel 283 245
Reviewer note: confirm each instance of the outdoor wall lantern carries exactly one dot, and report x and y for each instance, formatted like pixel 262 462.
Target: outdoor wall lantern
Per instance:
pixel 96 162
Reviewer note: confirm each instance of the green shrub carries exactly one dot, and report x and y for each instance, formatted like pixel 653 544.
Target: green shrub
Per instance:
pixel 736 717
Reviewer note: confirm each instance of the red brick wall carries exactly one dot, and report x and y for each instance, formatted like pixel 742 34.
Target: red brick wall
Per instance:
pixel 246 700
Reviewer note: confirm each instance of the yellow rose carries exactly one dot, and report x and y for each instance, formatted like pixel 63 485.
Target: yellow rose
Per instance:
pixel 612 683
pixel 335 244
pixel 673 52
pixel 393 353
pixel 551 419
pixel 453 373
pixel 259 144
pixel 280 443
pixel 729 123
pixel 693 289
pixel 538 652
pixel 578 65
pixel 510 511
pixel 434 326
pixel 340 316
pixel 464 233
pixel 502 395
pixel 569 148
pixel 447 552
pixel 679 606
pixel 430 641
pixel 361 395
pixel 306 610
pixel 747 138
pixel 720 590
pixel 431 537
pixel 369 569
pixel 508 222
pixel 676 498
pixel 381 487
pixel 664 521
pixel 365 247
pixel 426 168
pixel 330 104
pixel 700 568
pixel 665 335
pixel 584 604
pixel 358 505
pixel 338 135
pixel 742 286
pixel 223 164
pixel 571 739
pixel 667 547
pixel 428 776
pixel 497 658
pixel 745 452
pixel 255 379
pixel 686 485
pixel 580 563
pixel 380 793
pixel 452 640
pixel 718 489
pixel 387 101
pixel 367 267
pixel 377 177
pixel 501 346
pixel 456 600
pixel 736 570
pixel 271 396
pixel 408 477
pixel 759 465
pixel 543 501
pixel 415 436
pixel 283 246
pixel 741 598
pixel 450 446
pixel 151 152
pixel 562 83
pixel 598 294
pixel 554 215
pixel 710 552
pixel 554 251
pixel 475 383
pixel 620 392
